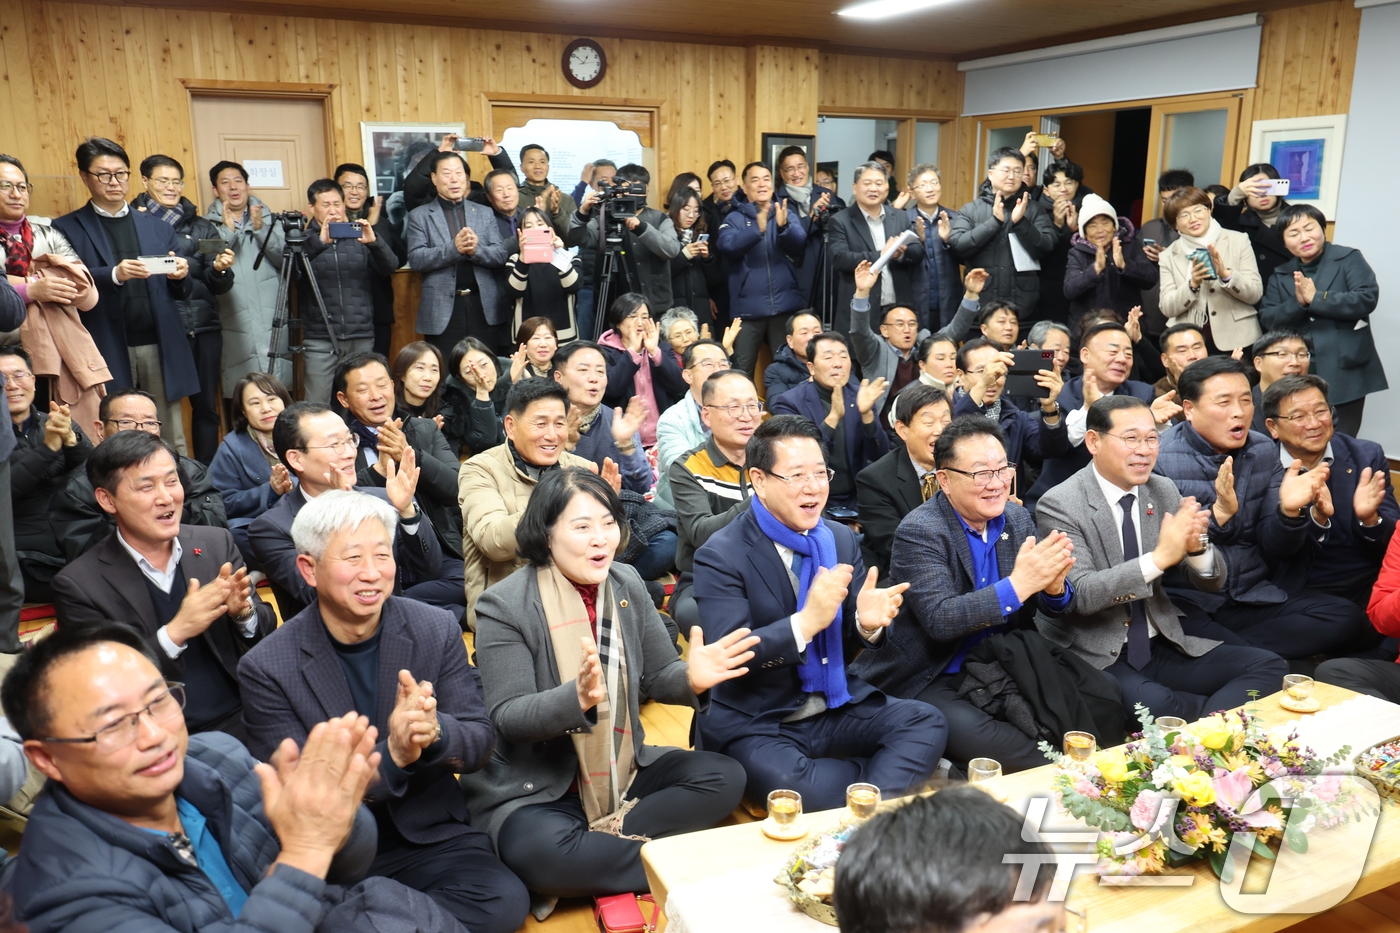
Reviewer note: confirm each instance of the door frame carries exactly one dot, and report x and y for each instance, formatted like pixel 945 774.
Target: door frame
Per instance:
pixel 908 119
pixel 270 90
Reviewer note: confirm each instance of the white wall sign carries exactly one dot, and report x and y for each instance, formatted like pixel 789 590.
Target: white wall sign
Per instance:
pixel 264 173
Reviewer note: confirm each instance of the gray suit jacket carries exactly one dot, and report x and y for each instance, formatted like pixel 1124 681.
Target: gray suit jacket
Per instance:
pixel 431 252
pixel 1104 583
pixel 536 710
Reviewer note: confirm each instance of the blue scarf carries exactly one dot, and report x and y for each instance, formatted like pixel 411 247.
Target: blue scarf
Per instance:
pixel 824 671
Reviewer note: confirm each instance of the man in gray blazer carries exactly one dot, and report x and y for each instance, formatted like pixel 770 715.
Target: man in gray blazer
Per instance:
pixel 1130 527
pixel 457 246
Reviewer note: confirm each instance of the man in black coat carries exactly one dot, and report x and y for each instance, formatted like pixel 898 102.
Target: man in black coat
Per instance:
pixel 11 579
pixel 1250 209
pixel 815 206
pixel 418 184
pixel 860 233
pixel 79 522
pixel 211 274
pixel 184 588
pixel 354 183
pixel 789 367
pixel 135 324
pixel 403 665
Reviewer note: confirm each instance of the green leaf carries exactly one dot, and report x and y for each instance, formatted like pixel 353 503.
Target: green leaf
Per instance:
pixel 1222 866
pixel 1261 849
pixel 1268 794
pixel 1297 840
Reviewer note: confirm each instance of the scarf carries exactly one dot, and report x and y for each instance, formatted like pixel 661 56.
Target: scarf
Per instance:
pixel 1212 234
pixel 264 442
pixel 524 466
pixel 369 437
pixel 928 380
pixel 586 418
pixel 19 248
pixel 824 671
pixel 606 765
pixel 1270 217
pixel 802 197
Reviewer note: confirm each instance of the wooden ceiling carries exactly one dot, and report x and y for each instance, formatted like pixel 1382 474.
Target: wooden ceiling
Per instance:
pixel 954 30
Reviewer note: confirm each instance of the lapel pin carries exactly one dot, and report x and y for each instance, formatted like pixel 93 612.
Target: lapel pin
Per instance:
pixel 1149 508
pixel 1006 536
pixel 197 552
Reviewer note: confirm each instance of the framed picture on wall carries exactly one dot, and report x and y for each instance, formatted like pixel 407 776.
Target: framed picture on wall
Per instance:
pixel 1308 152
pixel 774 143
pixel 391 150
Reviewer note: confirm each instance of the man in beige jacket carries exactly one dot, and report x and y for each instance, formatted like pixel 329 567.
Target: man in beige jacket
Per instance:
pixel 494 486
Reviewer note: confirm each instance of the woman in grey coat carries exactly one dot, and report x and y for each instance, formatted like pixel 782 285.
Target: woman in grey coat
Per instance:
pixel 568 647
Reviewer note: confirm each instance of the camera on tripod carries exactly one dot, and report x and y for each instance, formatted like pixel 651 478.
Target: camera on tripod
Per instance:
pixel 623 198
pixel 290 220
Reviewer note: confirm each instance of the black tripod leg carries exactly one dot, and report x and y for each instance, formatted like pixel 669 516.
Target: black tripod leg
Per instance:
pixel 279 314
pixel 320 304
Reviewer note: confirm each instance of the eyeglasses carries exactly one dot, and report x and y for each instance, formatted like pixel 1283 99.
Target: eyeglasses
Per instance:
pixel 927 186
pixel 1008 170
pixel 118 735
pixel 174 183
pixel 349 445
pixel 902 325
pixel 984 478
pixel 1301 356
pixel 108 177
pixel 1133 442
pixel 354 189
pixel 800 480
pixel 1321 416
pixel 753 409
pixel 126 424
pixel 20 376
pixel 22 187
pixel 710 366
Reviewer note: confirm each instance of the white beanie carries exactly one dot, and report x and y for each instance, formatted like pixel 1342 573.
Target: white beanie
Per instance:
pixel 1095 206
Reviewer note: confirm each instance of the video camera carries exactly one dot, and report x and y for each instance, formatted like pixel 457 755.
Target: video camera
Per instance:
pixel 622 198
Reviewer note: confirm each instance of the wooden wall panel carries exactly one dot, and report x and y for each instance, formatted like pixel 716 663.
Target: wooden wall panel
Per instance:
pixel 864 82
pixel 1306 59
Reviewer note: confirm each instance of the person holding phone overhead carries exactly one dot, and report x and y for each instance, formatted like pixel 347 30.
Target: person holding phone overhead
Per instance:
pixel 1253 207
pixel 695 270
pixel 543 277
pixel 1209 277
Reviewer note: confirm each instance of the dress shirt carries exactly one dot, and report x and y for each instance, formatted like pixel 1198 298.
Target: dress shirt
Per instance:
pixel 786 554
pixel 877 236
pixel 164 580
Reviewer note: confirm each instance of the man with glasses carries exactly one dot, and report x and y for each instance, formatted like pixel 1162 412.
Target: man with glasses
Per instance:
pixel 354 183
pixel 1363 510
pixel 146 826
pixel 800 718
pixel 860 234
pixel 79 521
pixel 184 588
pixel 934 224
pixel 973 569
pixel 1129 526
pixel 814 206
pixel 319 451
pixel 135 324
pixel 1268 520
pixel 211 275
pixel 845 414
pixel 682 426
pixel 1279 353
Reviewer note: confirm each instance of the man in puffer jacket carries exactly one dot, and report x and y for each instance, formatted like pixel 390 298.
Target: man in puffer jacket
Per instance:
pixel 211 274
pixel 345 269
pixel 1006 232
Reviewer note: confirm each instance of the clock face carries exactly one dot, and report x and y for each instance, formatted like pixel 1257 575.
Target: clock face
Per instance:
pixel 585 63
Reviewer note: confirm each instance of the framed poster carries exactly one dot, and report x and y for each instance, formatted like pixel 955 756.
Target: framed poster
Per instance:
pixel 391 150
pixel 774 143
pixel 1308 152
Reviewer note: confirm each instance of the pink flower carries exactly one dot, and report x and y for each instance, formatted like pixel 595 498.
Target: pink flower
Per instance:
pixel 1082 786
pixel 1233 790
pixel 1327 788
pixel 1144 810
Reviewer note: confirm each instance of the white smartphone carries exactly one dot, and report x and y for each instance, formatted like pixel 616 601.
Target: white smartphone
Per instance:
pixel 1278 186
pixel 703 238
pixel 160 265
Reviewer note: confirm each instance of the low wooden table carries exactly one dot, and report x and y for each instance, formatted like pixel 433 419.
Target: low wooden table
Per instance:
pixel 1199 908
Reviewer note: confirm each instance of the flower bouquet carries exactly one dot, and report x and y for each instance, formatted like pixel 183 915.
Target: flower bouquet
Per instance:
pixel 1177 795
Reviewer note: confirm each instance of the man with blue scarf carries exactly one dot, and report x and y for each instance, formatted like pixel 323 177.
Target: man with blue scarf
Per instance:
pixel 799 719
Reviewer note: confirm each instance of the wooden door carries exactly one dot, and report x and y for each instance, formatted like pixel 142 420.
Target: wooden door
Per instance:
pixel 1200 134
pixel 281 141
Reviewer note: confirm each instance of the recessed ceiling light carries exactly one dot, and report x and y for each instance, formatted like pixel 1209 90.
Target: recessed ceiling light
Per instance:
pixel 884 9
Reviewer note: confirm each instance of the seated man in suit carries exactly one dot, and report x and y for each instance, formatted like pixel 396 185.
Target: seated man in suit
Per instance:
pixel 851 434
pixel 974 568
pixel 364 390
pixel 1266 518
pixel 79 522
pixel 681 428
pixel 901 480
pixel 356 647
pixel 789 367
pixel 319 451
pixel 273 845
pixel 800 718
pixel 710 487
pixel 1129 527
pixel 1362 502
pixel 1106 353
pixel 1279 353
pixel 183 587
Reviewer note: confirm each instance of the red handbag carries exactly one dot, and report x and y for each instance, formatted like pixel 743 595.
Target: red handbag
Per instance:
pixel 622 913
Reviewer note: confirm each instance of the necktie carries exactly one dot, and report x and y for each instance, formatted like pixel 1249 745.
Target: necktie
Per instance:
pixel 1139 643
pixel 929 486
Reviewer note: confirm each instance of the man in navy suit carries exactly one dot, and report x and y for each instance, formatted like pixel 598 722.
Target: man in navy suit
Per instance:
pixel 135 324
pixel 1363 507
pixel 851 434
pixel 800 719
pixel 402 664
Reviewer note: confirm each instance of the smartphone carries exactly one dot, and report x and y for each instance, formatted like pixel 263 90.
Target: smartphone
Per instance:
pixel 344 231
pixel 1278 186
pixel 703 238
pixel 212 246
pixel 537 245
pixel 842 514
pixel 469 144
pixel 1203 255
pixel 1020 377
pixel 159 265
pixel 1148 241
pixel 1046 140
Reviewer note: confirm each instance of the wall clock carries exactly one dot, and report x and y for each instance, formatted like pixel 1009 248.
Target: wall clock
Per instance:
pixel 584 63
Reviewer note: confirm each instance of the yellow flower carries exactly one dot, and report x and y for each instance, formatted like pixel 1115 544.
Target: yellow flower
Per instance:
pixel 1182 761
pixel 1212 732
pixel 1196 789
pixel 1112 765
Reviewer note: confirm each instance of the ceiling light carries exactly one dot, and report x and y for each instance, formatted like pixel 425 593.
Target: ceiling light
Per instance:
pixel 884 9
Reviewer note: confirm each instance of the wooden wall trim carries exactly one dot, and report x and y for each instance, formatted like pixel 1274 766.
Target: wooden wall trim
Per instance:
pixel 211 88
pixel 898 113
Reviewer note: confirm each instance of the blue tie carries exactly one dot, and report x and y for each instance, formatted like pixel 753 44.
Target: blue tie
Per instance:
pixel 1139 642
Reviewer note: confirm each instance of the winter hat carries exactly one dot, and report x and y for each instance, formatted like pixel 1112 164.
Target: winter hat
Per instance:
pixel 1095 206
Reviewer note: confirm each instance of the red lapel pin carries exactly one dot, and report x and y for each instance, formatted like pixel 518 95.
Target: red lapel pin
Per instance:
pixel 197 551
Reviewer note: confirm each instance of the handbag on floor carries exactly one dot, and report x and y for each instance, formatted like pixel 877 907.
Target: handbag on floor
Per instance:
pixel 622 913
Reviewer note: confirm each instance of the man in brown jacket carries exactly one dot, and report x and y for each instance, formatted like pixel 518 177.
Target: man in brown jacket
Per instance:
pixel 494 486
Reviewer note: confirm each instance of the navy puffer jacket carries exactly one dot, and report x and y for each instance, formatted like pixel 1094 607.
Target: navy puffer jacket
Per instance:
pixel 762 279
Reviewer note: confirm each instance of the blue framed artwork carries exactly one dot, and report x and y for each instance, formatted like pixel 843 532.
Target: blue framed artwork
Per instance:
pixel 1301 162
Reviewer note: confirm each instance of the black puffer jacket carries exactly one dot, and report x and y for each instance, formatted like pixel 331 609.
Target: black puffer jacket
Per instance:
pixel 36 473
pixel 199 313
pixel 346 273
pixel 981 241
pixel 383 291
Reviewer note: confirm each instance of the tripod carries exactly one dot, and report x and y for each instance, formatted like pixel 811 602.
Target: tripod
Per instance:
pixel 294 239
pixel 615 258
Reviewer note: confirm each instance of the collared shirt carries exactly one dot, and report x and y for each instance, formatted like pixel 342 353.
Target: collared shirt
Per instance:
pixel 785 554
pixel 126 209
pixel 208 854
pixel 1287 459
pixel 164 580
pixel 878 237
pixel 920 471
